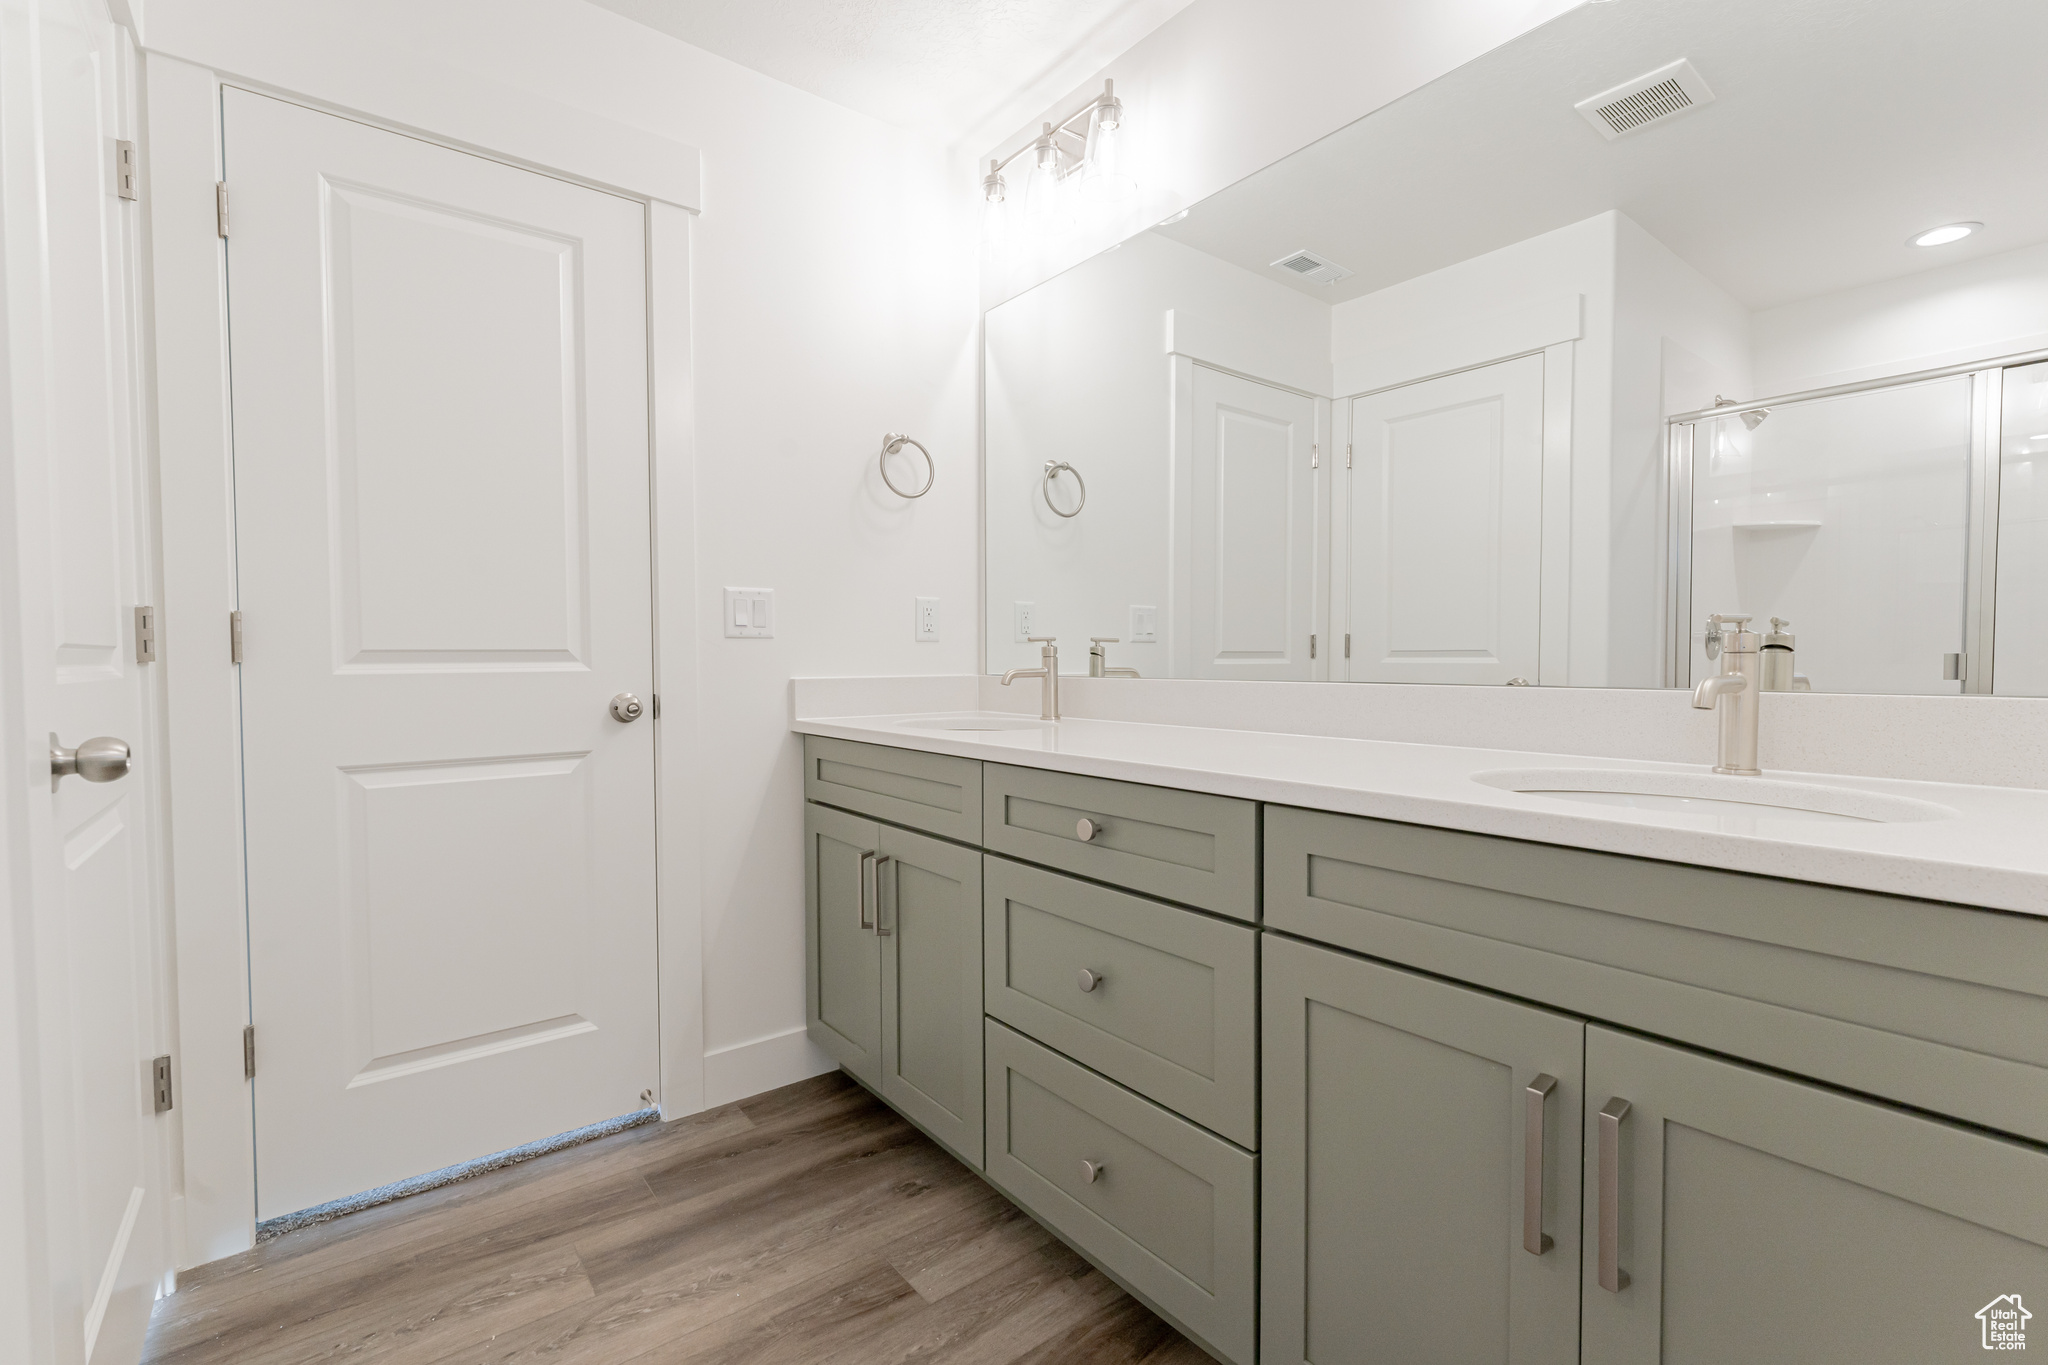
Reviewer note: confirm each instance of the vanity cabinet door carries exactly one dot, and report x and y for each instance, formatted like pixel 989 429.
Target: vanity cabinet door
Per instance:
pixel 1762 1219
pixel 1398 1155
pixel 842 953
pixel 928 919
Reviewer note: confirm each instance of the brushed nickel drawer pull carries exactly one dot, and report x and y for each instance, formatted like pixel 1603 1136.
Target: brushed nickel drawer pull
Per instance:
pixel 1091 1171
pixel 867 860
pixel 1536 1105
pixel 1613 1278
pixel 882 861
pixel 1088 980
pixel 1085 830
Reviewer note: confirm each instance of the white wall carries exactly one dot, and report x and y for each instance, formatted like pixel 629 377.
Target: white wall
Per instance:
pixel 1078 370
pixel 1973 310
pixel 1674 331
pixel 834 300
pixel 1227 87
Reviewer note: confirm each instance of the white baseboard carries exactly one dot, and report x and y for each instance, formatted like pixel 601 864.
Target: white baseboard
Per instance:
pixel 747 1069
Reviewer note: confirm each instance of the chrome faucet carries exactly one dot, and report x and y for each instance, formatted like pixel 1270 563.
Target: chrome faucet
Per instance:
pixel 1098 658
pixel 1048 669
pixel 1736 690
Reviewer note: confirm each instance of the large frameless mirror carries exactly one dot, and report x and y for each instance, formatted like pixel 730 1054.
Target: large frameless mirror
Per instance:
pixel 1668 308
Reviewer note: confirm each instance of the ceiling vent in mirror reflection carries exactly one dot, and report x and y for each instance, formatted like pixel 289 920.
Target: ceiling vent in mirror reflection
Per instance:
pixel 1658 97
pixel 1310 266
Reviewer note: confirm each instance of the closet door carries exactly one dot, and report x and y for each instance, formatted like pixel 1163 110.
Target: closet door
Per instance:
pixel 1732 1214
pixel 1421 1150
pixel 1445 521
pixel 1252 499
pixel 439 372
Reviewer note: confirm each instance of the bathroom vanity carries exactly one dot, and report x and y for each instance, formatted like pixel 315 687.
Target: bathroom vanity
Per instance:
pixel 1314 1042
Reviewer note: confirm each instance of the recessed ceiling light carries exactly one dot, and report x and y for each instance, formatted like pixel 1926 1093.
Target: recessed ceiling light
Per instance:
pixel 1943 235
pixel 1175 218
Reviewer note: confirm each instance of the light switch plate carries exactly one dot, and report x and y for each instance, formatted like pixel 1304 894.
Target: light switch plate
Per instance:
pixel 924 625
pixel 1144 626
pixel 749 613
pixel 1024 611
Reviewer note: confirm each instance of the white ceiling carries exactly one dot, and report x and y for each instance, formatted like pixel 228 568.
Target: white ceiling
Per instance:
pixel 1839 128
pixel 969 71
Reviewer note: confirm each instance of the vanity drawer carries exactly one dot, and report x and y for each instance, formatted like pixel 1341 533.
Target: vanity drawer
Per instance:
pixel 1171 1011
pixel 1943 1007
pixel 1180 846
pixel 1172 1214
pixel 932 792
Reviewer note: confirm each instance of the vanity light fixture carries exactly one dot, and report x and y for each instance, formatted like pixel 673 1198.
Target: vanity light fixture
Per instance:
pixel 1943 235
pixel 1083 145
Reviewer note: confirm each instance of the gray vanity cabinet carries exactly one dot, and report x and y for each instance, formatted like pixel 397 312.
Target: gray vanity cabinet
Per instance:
pixel 1420 1199
pixel 1762 1219
pixel 893 945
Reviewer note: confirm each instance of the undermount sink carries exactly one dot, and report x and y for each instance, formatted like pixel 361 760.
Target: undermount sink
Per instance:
pixel 1735 804
pixel 973 721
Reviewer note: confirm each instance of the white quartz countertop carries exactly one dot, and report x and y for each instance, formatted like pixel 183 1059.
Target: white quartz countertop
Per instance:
pixel 1982 846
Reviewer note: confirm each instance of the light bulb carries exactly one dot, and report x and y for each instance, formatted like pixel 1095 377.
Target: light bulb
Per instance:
pixel 1943 235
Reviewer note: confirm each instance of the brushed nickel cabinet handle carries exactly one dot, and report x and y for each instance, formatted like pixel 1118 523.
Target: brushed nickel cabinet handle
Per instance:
pixel 867 860
pixel 1088 980
pixel 882 861
pixel 1536 1105
pixel 1613 1278
pixel 1085 830
pixel 1091 1171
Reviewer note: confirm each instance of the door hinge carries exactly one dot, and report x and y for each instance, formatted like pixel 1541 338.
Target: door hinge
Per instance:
pixel 220 206
pixel 1347 644
pixel 1347 456
pixel 1315 456
pixel 248 1052
pixel 654 709
pixel 1311 646
pixel 234 637
pixel 145 635
pixel 160 1083
pixel 124 169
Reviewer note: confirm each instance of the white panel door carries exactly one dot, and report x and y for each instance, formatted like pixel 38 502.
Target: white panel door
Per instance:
pixel 1445 528
pixel 1252 539
pixel 71 411
pixel 441 469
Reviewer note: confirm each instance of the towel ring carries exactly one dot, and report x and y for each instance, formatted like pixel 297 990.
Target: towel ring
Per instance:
pixel 1052 468
pixel 894 442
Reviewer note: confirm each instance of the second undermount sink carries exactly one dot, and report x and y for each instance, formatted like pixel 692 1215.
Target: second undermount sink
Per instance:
pixel 984 721
pixel 1736 804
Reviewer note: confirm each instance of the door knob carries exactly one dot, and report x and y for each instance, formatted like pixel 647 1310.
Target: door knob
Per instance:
pixel 101 759
pixel 626 708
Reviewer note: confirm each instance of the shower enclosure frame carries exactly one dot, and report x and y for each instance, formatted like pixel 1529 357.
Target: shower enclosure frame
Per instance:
pixel 1980 576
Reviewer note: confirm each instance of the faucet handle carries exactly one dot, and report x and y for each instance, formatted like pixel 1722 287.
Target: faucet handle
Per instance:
pixel 1105 639
pixel 1722 620
pixel 1047 639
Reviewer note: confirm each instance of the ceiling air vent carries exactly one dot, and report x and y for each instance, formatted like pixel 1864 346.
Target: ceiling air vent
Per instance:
pixel 1662 95
pixel 1310 266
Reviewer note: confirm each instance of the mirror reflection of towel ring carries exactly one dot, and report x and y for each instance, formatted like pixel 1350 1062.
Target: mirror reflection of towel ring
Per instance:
pixel 1052 469
pixel 894 442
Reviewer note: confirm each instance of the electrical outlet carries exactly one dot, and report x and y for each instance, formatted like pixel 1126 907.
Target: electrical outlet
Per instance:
pixel 1024 614
pixel 925 624
pixel 749 613
pixel 1144 626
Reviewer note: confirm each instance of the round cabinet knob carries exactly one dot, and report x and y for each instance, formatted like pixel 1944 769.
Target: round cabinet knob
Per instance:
pixel 101 759
pixel 1090 980
pixel 1085 830
pixel 626 708
pixel 1091 1171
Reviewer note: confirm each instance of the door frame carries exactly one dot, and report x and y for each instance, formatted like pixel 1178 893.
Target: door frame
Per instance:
pixel 182 161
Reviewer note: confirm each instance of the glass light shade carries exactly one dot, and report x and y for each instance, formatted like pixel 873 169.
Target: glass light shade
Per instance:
pixel 1101 176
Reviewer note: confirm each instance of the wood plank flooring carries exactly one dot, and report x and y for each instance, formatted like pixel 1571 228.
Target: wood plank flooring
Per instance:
pixel 808 1224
